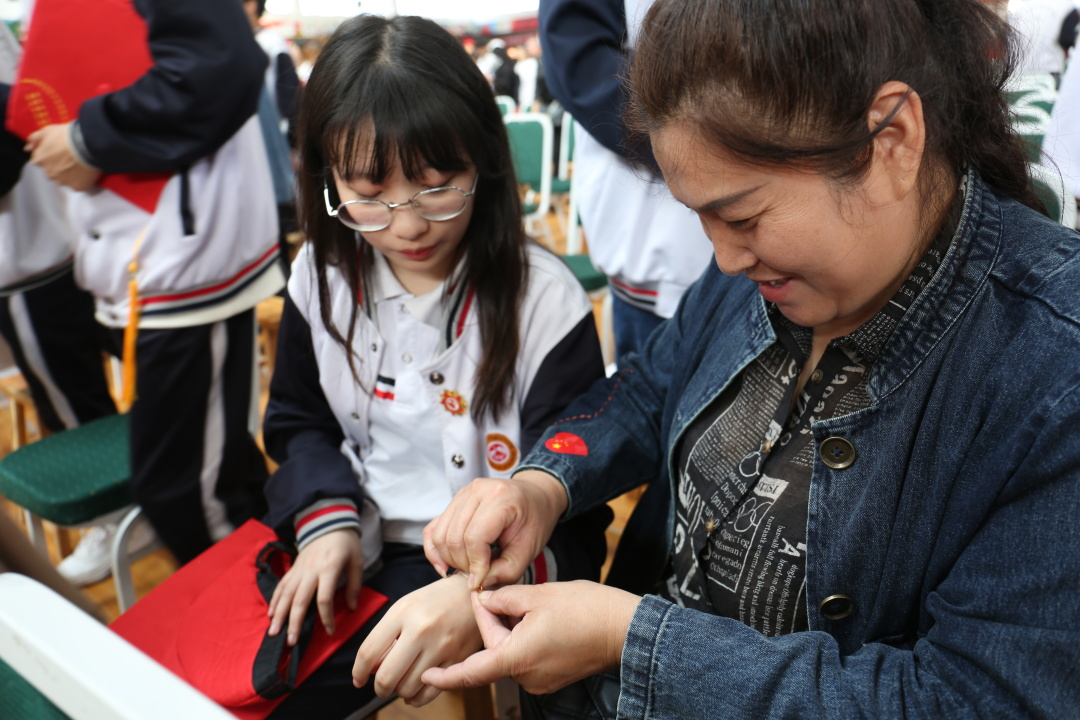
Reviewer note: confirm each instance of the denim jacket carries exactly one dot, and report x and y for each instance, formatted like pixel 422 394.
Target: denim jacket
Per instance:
pixel 954 536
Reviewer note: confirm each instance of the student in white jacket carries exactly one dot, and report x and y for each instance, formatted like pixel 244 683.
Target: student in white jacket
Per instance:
pixel 205 256
pixel 424 341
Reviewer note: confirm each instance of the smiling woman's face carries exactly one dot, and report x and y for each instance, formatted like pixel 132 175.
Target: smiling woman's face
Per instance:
pixel 828 258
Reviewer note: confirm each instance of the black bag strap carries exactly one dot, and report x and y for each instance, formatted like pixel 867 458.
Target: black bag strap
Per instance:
pixel 276 664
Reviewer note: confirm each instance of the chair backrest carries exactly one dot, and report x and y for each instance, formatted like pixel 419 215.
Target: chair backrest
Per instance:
pixel 1051 188
pixel 1031 98
pixel 507 105
pixel 82 667
pixel 531 136
pixel 566 146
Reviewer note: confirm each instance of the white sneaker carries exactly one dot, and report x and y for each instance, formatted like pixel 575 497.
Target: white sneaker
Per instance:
pixel 91 560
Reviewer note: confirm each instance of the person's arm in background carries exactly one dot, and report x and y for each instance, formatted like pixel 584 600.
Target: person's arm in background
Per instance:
pixel 584 59
pixel 204 85
pixel 1067 38
pixel 288 93
pixel 12 154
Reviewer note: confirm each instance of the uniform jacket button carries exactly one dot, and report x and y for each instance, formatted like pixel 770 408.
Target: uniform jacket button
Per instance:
pixel 837 453
pixel 836 607
pixel 95 235
pixel 436 378
pixel 457 461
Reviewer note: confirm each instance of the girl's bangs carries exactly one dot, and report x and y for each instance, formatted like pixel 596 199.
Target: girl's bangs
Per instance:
pixel 385 126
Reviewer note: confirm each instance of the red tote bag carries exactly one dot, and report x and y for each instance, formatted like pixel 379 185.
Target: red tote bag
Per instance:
pixel 207 623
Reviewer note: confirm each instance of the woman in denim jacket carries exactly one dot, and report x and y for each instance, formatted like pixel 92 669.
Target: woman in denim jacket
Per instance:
pixel 862 457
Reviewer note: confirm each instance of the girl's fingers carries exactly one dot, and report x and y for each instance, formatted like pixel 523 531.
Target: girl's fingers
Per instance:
pixel 280 602
pixel 298 608
pixel 373 650
pixel 397 663
pixel 426 695
pixel 324 599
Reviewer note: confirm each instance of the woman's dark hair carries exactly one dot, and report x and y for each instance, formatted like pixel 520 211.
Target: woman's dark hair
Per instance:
pixel 791 82
pixel 403 90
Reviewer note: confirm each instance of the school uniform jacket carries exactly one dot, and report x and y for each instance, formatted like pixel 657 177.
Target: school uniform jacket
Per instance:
pixel 36 242
pixel 210 247
pixel 316 423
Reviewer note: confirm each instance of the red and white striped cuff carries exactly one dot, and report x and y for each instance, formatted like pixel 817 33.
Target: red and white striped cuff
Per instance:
pixel 323 517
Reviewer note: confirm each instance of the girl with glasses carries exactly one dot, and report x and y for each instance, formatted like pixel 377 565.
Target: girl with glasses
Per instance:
pixel 425 341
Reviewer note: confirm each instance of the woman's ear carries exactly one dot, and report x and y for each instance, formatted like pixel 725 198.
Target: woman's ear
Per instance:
pixel 899 145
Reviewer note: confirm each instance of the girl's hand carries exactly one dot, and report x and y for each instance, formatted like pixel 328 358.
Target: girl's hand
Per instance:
pixel 430 627
pixel 518 513
pixel 567 631
pixel 315 573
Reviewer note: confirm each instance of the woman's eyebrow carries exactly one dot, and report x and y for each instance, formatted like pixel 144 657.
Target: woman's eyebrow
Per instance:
pixel 722 202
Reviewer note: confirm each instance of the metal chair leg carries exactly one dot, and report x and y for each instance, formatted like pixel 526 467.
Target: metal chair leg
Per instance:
pixel 121 560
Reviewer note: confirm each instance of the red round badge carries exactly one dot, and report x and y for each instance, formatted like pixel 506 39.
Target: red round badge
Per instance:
pixel 453 402
pixel 501 453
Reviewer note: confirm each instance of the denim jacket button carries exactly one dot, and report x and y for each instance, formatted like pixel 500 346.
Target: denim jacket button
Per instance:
pixel 837 453
pixel 836 607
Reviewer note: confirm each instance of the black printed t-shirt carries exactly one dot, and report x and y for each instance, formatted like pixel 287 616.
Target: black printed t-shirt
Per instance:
pixel 745 466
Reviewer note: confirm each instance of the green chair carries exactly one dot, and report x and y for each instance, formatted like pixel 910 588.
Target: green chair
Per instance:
pixel 78 478
pixel 507 105
pixel 1031 99
pixel 531 137
pixel 1052 190
pixel 590 278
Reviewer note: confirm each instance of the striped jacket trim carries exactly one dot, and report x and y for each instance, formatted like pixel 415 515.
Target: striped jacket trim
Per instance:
pixel 42 278
pixel 172 303
pixel 323 517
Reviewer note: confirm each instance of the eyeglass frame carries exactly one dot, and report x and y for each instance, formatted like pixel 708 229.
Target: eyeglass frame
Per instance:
pixel 335 212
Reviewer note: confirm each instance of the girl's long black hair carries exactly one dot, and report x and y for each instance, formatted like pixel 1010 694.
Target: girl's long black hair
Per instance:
pixel 404 90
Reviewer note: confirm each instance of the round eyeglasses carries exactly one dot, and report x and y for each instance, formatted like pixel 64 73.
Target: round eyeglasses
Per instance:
pixel 441 203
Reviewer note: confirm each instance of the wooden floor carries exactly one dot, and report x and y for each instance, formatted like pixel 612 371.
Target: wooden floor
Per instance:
pixel 151 570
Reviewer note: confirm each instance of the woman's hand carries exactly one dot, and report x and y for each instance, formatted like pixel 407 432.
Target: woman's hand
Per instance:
pixel 50 148
pixel 567 631
pixel 430 627
pixel 518 514
pixel 315 574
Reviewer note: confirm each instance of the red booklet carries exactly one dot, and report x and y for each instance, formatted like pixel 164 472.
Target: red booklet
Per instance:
pixel 76 50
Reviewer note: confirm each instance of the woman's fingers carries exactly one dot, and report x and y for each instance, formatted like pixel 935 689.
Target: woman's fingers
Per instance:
pixel 482 668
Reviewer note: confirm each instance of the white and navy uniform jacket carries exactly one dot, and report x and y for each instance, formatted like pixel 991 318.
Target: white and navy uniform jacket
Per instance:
pixel 36 239
pixel 47 322
pixel 387 457
pixel 210 248
pixel 649 245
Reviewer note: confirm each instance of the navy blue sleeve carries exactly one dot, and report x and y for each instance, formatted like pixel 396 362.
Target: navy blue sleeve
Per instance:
pixel 579 545
pixel 582 43
pixel 288 93
pixel 203 86
pixel 12 155
pixel 1067 37
pixel 300 431
pixel 568 371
